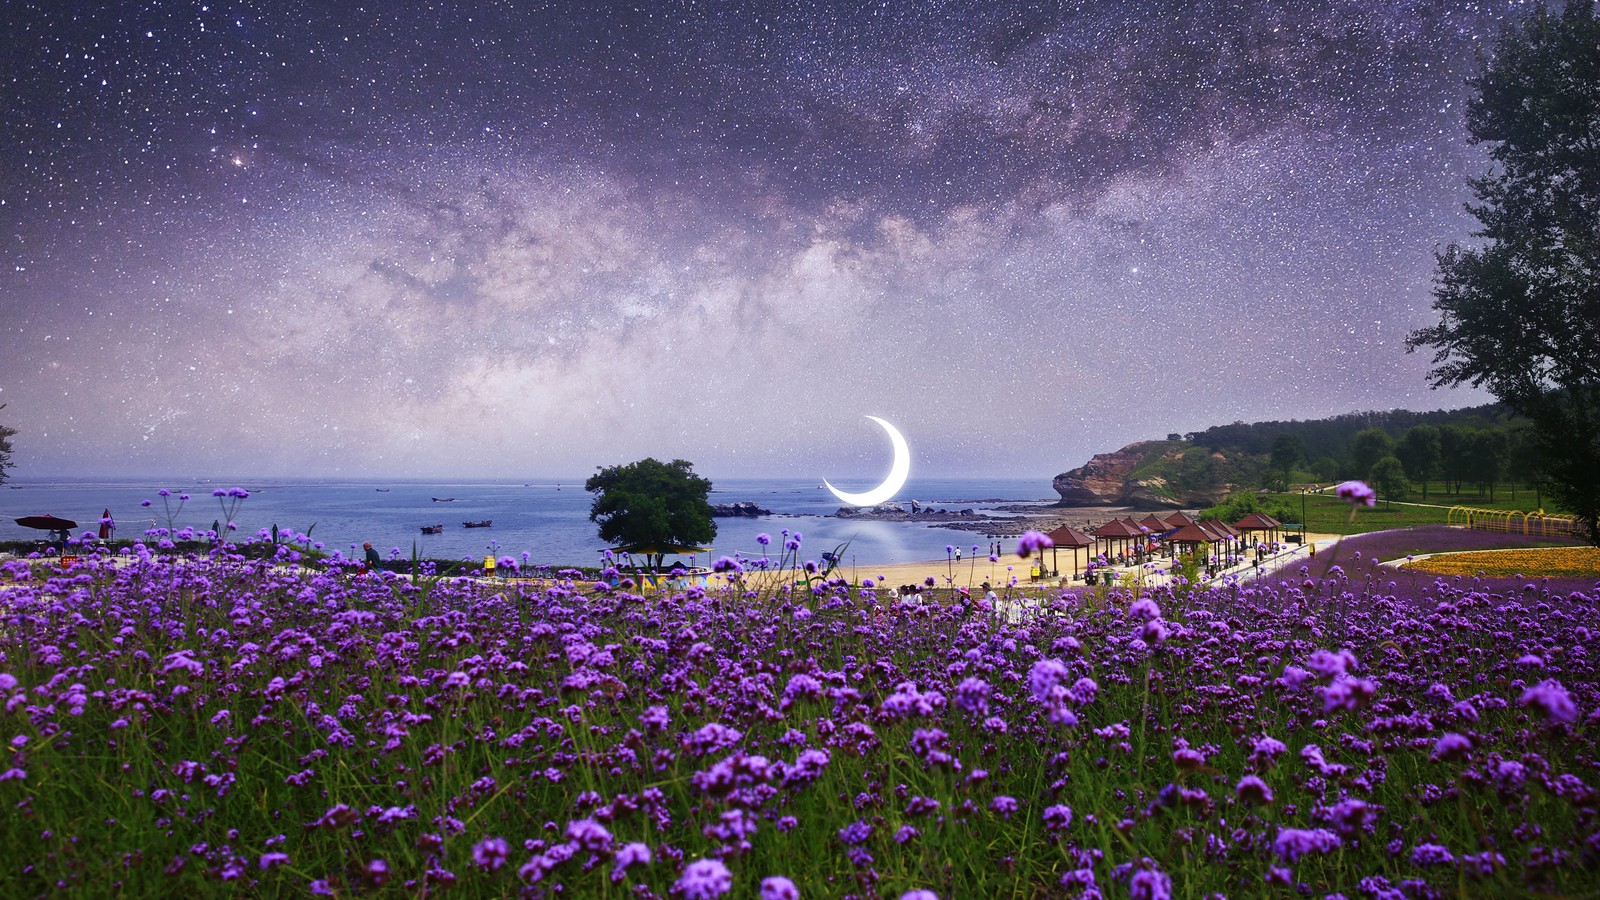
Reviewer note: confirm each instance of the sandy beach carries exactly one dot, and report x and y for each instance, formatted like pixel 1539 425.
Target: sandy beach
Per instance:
pixel 971 574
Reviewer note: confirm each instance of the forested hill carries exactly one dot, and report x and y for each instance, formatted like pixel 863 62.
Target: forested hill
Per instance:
pixel 1333 437
pixel 1482 445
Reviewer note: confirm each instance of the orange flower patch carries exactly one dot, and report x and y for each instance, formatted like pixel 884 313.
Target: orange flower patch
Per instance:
pixel 1556 562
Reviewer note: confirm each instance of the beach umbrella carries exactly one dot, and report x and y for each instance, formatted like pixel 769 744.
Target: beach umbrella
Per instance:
pixel 47 523
pixel 108 526
pixel 659 550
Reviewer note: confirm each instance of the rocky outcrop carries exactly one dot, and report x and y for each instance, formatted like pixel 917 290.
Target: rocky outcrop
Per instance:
pixel 894 512
pixel 1148 475
pixel 738 510
pixel 1102 480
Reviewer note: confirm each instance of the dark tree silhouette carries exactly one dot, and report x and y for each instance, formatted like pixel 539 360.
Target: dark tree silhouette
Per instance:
pixel 1519 309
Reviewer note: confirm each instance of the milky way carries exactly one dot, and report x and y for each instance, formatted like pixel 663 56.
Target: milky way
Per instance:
pixel 509 239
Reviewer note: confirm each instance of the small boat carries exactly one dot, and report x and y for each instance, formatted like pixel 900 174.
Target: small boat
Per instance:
pixel 382 490
pixel 444 499
pixel 484 524
pixel 433 529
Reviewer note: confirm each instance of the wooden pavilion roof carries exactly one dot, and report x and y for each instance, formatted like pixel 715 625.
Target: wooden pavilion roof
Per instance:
pixel 1067 536
pixel 1180 519
pixel 1192 533
pixel 1155 523
pixel 1117 528
pixel 1257 522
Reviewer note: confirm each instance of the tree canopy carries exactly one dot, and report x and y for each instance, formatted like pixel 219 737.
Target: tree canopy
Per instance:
pixel 650 506
pixel 1518 310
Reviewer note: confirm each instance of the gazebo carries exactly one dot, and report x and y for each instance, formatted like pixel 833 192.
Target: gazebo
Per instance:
pixel 1180 519
pixel 1072 538
pixel 1191 533
pixel 1254 522
pixel 1118 530
pixel 1156 524
pixel 1222 530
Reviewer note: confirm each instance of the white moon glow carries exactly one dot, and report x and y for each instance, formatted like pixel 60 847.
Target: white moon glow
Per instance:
pixel 898 473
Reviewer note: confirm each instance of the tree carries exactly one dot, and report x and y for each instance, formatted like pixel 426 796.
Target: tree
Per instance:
pixel 1453 464
pixel 654 504
pixel 1389 479
pixel 1518 309
pixel 1488 455
pixel 1288 451
pixel 1326 468
pixel 1236 506
pixel 1527 461
pixel 1369 446
pixel 5 448
pixel 1419 452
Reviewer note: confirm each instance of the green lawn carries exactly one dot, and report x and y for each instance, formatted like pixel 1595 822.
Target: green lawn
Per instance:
pixel 1327 514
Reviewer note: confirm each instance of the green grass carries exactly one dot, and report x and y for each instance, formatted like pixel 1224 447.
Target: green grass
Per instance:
pixel 1327 514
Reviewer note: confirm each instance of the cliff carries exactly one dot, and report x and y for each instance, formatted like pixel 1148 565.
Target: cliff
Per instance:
pixel 1151 475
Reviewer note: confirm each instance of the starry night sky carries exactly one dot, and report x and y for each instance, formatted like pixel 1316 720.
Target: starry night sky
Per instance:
pixel 516 238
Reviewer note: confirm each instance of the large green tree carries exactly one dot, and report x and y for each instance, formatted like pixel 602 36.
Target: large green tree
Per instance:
pixel 1420 454
pixel 1369 446
pixel 652 504
pixel 1519 308
pixel 1389 479
pixel 1288 451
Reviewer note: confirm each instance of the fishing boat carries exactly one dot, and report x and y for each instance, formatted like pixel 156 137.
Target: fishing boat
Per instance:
pixel 382 490
pixel 484 524
pixel 433 529
pixel 444 499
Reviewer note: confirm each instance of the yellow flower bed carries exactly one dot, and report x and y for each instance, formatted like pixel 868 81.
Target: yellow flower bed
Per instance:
pixel 1560 562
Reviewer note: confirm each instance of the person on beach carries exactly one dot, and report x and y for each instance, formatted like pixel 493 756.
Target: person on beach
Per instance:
pixel 372 557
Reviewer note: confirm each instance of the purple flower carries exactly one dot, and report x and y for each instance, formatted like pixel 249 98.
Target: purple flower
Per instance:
pixel 632 854
pixel 778 887
pixel 1253 790
pixel 1293 843
pixel 1432 855
pixel 268 860
pixel 919 894
pixel 590 835
pixel 1045 675
pixel 1357 493
pixel 1150 884
pixel 1452 746
pixel 1551 700
pixel 490 853
pixel 704 879
pixel 1057 817
pixel 1032 542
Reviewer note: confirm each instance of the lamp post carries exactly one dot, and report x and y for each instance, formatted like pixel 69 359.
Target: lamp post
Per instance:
pixel 1302 515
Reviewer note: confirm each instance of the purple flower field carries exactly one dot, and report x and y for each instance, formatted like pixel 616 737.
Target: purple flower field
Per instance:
pixel 224 726
pixel 1357 556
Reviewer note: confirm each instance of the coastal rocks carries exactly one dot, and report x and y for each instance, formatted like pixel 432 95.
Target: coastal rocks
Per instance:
pixel 738 510
pixel 894 512
pixel 1101 480
pixel 1149 475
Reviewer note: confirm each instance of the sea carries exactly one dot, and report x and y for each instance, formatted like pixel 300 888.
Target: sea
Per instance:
pixel 547 520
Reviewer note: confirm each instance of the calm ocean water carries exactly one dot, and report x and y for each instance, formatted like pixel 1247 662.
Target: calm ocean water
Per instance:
pixel 546 520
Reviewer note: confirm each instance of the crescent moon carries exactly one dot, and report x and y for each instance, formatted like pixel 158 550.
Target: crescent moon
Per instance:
pixel 898 473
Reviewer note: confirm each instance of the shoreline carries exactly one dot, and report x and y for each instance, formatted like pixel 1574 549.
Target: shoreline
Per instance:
pixel 972 574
